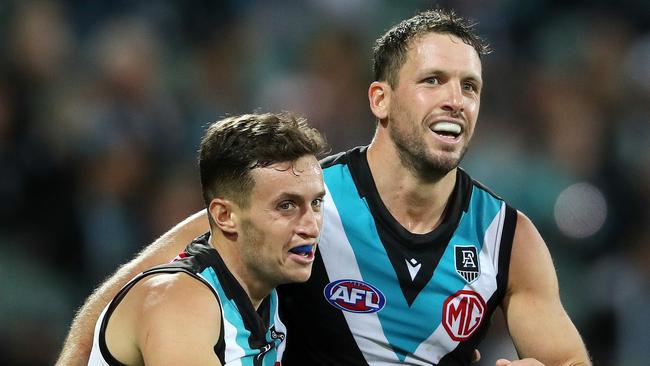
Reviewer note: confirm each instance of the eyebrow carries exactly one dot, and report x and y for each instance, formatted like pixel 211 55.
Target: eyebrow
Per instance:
pixel 470 77
pixel 296 197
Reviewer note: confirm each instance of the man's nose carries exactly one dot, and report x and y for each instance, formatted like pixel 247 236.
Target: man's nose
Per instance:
pixel 454 101
pixel 310 223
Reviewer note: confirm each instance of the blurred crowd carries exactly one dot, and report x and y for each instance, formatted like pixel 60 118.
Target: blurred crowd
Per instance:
pixel 102 105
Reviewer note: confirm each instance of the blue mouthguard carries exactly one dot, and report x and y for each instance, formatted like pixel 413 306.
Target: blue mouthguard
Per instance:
pixel 302 249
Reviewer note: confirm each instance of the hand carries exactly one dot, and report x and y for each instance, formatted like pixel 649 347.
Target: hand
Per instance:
pixel 524 362
pixel 476 357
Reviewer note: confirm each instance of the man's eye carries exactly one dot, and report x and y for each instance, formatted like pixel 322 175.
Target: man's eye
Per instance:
pixel 470 87
pixel 432 80
pixel 287 205
pixel 317 203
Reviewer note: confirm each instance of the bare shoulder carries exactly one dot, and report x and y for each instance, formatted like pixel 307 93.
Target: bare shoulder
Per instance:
pixel 167 286
pixel 163 300
pixel 526 232
pixel 180 320
pixel 156 312
pixel 531 266
pixel 165 296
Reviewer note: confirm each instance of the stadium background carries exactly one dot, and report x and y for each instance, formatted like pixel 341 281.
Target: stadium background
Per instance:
pixel 102 104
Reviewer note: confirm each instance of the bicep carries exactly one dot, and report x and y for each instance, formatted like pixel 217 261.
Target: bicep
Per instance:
pixel 537 321
pixel 180 323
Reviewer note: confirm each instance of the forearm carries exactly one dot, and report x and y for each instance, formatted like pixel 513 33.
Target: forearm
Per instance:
pixel 535 362
pixel 78 343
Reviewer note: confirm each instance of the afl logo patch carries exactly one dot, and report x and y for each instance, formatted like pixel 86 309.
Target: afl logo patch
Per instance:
pixel 354 296
pixel 462 313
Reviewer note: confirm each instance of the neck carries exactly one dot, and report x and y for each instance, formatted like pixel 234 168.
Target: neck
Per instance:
pixel 228 250
pixel 418 205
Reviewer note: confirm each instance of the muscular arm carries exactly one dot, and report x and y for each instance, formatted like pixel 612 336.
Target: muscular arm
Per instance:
pixel 165 319
pixel 79 340
pixel 180 324
pixel 538 324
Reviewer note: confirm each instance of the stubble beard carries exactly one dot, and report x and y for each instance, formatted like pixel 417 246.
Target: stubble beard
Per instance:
pixel 414 155
pixel 252 251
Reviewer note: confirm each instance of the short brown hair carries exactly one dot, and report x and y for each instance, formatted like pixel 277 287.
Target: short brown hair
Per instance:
pixel 233 146
pixel 390 50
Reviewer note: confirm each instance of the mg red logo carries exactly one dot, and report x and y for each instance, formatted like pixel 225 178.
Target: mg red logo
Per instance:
pixel 462 313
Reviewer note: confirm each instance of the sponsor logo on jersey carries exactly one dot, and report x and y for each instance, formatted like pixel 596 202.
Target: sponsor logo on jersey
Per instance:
pixel 462 313
pixel 276 339
pixel 276 334
pixel 263 351
pixel 354 296
pixel 467 265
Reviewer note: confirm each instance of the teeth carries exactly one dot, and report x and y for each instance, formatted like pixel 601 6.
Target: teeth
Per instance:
pixel 448 127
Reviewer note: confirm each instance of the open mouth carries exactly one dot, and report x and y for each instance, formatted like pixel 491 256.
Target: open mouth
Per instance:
pixel 447 130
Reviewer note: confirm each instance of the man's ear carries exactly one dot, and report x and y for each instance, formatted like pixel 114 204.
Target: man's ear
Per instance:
pixel 379 99
pixel 224 215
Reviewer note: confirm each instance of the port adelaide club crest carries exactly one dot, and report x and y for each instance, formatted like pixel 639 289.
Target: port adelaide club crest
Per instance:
pixel 467 265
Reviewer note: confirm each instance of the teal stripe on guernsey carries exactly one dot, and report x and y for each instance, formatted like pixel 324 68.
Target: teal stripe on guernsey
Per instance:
pixel 405 327
pixel 230 315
